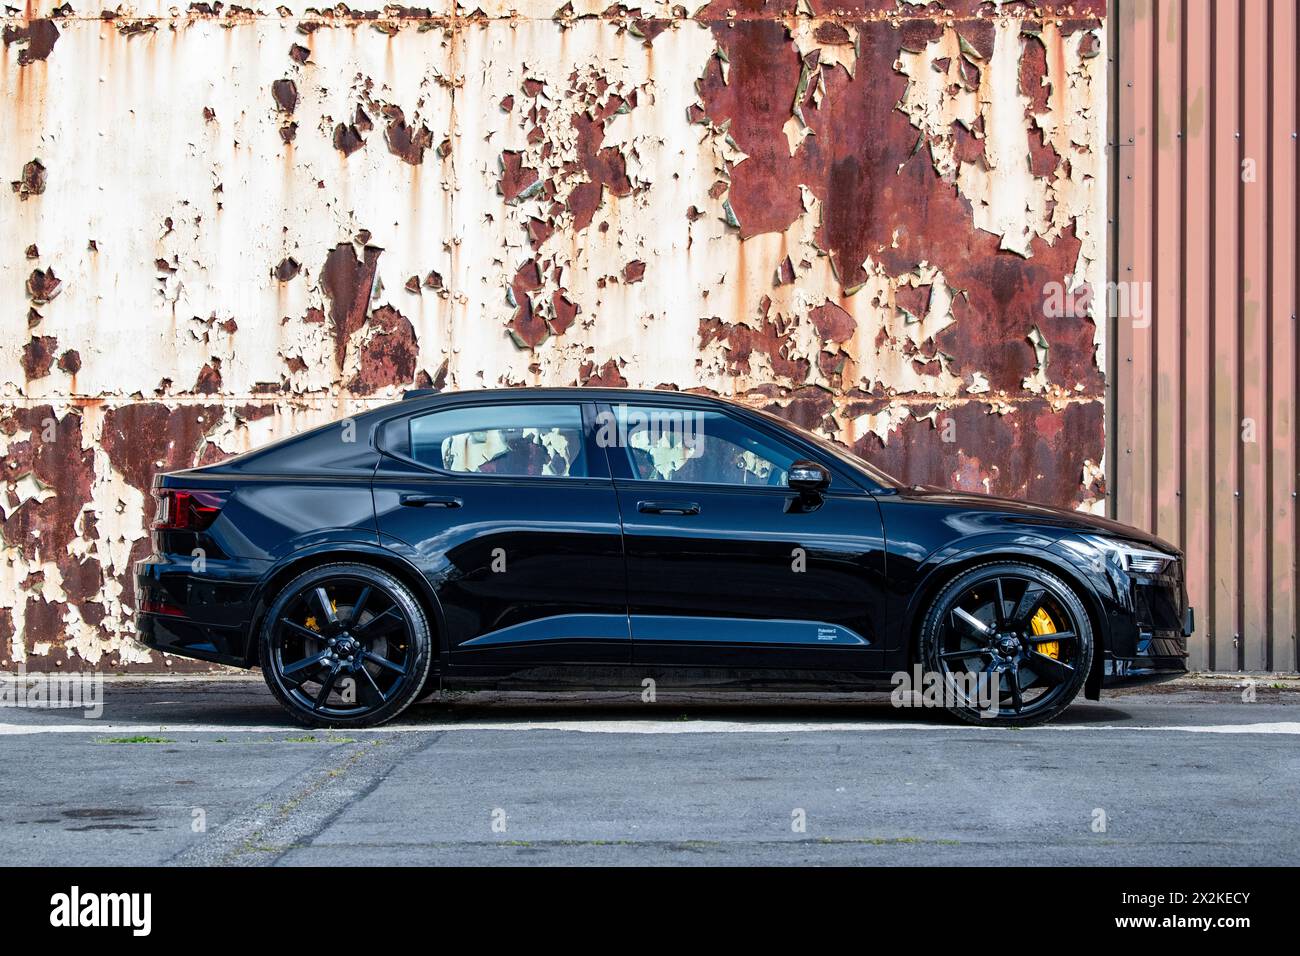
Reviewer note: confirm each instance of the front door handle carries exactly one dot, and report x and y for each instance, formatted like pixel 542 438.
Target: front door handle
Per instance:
pixel 431 501
pixel 668 507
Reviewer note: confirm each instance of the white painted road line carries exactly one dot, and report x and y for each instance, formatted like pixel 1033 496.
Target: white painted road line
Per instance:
pixel 627 727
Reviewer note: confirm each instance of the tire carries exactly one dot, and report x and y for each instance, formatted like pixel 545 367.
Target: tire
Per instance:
pixel 367 645
pixel 967 640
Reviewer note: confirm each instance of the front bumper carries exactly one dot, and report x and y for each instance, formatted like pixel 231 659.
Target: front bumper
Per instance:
pixel 1161 655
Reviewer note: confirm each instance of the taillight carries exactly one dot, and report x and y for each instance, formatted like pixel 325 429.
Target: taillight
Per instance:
pixel 187 510
pixel 152 605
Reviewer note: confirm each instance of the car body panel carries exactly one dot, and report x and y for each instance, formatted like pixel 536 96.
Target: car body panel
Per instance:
pixel 528 570
pixel 746 545
pixel 593 582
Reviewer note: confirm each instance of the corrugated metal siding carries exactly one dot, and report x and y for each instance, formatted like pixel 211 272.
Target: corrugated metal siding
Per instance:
pixel 227 224
pixel 1205 383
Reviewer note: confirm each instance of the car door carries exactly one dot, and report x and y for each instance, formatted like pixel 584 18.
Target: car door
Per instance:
pixel 726 565
pixel 509 511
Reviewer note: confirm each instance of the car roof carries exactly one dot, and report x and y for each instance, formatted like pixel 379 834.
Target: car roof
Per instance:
pixel 420 398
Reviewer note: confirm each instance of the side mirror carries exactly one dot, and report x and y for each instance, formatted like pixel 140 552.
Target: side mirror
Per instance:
pixel 807 478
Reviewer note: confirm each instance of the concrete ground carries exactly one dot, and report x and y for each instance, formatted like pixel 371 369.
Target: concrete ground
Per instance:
pixel 207 771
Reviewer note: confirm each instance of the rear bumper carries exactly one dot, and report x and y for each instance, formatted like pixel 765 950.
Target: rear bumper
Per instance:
pixel 190 615
pixel 186 638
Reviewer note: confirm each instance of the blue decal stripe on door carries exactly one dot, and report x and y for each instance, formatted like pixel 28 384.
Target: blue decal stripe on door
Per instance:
pixel 727 630
pixel 561 627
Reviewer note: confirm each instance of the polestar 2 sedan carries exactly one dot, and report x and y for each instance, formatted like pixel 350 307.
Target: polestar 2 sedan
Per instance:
pixel 568 538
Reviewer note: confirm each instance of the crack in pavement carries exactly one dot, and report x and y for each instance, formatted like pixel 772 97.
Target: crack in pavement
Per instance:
pixel 693 844
pixel 662 726
pixel 279 821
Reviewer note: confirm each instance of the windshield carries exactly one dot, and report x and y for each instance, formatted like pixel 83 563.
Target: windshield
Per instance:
pixel 839 452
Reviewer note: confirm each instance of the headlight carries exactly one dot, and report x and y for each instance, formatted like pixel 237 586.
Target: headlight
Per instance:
pixel 1130 557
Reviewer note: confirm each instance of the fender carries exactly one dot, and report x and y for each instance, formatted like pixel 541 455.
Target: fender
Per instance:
pixel 344 549
pixel 997 546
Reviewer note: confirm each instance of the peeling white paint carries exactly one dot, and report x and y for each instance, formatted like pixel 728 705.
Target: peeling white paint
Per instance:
pixel 172 196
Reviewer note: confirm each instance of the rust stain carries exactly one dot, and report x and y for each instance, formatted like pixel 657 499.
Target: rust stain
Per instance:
pixel 35 40
pixel 38 356
pixel 285 94
pixel 286 269
pixel 348 137
pixel 347 282
pixel 389 355
pixel 33 180
pixel 404 141
pixel 43 285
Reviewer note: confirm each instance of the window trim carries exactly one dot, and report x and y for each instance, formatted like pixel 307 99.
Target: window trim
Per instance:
pixel 595 464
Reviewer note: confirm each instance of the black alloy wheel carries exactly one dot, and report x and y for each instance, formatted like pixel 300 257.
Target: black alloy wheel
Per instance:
pixel 345 645
pixel 1011 642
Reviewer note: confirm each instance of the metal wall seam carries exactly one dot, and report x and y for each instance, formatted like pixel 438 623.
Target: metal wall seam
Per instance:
pixel 1283 388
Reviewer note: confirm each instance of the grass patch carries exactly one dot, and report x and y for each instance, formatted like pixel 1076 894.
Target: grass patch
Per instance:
pixel 138 739
pixel 888 841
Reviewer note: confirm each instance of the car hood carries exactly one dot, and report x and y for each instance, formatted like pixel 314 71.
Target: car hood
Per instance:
pixel 1079 521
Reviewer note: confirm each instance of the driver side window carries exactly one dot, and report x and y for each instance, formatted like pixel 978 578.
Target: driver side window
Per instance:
pixel 694 445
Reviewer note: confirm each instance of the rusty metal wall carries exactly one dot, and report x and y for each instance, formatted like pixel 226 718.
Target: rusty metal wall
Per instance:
pixel 226 224
pixel 1205 379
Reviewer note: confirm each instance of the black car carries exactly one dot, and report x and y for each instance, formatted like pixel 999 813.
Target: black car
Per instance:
pixel 600 537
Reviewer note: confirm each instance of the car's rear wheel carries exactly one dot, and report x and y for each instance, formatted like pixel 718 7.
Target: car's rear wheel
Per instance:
pixel 345 645
pixel 1011 643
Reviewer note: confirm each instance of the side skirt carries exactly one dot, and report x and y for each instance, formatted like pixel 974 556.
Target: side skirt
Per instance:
pixel 571 677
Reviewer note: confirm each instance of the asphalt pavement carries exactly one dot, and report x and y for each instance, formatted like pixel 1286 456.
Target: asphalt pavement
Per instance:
pixel 208 771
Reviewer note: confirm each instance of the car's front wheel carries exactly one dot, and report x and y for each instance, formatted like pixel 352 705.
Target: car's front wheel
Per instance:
pixel 345 645
pixel 1010 643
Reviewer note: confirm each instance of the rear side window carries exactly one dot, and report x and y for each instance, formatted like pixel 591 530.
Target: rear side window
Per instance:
pixel 521 440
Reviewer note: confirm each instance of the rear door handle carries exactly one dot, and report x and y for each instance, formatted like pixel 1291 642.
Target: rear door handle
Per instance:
pixel 431 501
pixel 668 507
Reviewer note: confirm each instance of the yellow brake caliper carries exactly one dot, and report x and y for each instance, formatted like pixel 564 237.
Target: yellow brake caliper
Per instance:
pixel 311 624
pixel 1042 623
